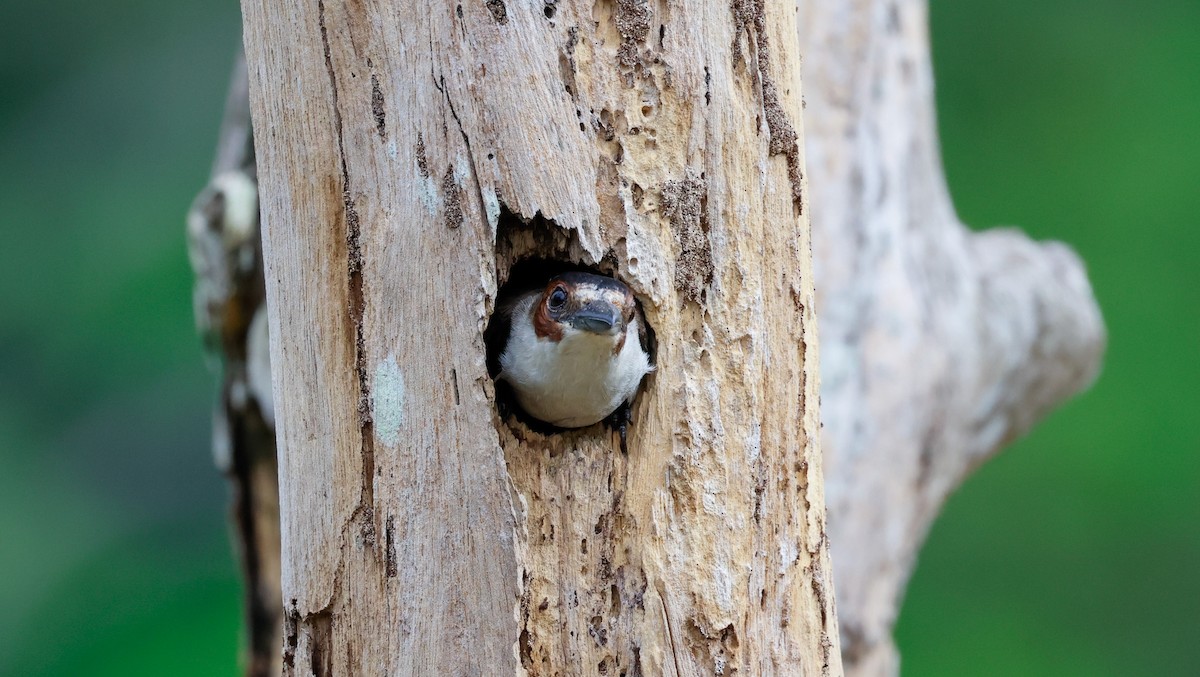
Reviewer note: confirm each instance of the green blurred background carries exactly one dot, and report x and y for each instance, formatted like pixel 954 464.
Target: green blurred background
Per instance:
pixel 1077 552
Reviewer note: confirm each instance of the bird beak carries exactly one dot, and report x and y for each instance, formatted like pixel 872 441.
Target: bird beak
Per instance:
pixel 597 317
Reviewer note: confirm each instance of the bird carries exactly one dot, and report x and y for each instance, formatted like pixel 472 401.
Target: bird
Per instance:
pixel 575 351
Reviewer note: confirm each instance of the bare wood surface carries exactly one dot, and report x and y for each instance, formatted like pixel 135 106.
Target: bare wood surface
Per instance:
pixel 409 156
pixel 939 345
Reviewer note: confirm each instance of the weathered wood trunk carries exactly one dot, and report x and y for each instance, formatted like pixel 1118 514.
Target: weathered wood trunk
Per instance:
pixel 409 156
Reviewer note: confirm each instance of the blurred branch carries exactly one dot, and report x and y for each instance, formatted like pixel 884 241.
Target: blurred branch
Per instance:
pixel 226 254
pixel 938 345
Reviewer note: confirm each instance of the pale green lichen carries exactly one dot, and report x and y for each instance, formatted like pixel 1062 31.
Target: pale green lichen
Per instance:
pixel 387 401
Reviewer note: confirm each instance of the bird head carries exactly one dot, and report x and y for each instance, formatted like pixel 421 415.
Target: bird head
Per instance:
pixel 582 303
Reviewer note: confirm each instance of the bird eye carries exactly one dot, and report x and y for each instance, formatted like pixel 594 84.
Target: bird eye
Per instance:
pixel 558 298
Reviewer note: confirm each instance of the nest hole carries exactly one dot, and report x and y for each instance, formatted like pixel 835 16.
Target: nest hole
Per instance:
pixel 522 268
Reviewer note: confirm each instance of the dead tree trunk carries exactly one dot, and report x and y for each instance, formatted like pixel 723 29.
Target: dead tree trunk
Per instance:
pixel 410 156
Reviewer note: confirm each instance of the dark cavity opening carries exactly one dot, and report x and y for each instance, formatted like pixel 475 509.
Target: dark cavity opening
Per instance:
pixel 523 271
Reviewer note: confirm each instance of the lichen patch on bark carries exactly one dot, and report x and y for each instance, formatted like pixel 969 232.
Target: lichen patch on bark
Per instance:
pixel 749 21
pixel 683 203
pixel 633 23
pixel 422 160
pixel 377 108
pixel 453 195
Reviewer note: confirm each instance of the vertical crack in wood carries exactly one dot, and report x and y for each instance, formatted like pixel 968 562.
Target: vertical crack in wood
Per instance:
pixel 439 82
pixel 391 567
pixel 291 639
pixel 662 601
pixel 320 630
pixel 316 626
pixel 354 265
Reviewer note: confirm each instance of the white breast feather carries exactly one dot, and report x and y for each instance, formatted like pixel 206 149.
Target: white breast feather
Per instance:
pixel 574 382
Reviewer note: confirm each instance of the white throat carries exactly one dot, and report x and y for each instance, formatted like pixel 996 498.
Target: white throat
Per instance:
pixel 576 381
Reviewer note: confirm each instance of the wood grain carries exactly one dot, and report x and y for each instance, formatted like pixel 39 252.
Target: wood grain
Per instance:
pixel 409 156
